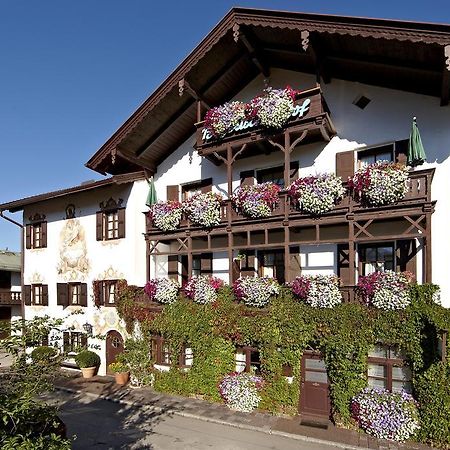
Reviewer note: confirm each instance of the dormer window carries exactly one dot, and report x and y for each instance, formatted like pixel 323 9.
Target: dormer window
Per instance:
pixel 111 220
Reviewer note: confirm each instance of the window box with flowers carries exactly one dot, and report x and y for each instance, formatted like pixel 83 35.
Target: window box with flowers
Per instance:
pixel 386 290
pixel 318 291
pixel 317 194
pixel 162 290
pixel 255 291
pixel 256 201
pixel 203 289
pixel 166 215
pixel 382 183
pixel 240 391
pixel 204 209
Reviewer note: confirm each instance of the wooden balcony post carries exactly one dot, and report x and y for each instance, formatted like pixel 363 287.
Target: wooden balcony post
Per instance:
pixel 287 158
pixel 230 257
pixel 351 255
pixel 287 255
pixel 230 170
pixel 428 256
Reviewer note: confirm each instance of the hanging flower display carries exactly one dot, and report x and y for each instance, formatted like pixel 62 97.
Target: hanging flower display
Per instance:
pixel 386 415
pixel 316 194
pixel 386 290
pixel 166 215
pixel 257 200
pixel 203 289
pixel 273 107
pixel 378 184
pixel 255 291
pixel 162 290
pixel 222 119
pixel 240 391
pixel 204 209
pixel 318 291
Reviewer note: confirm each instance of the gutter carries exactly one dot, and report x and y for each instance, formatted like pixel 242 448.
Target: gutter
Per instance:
pixel 22 261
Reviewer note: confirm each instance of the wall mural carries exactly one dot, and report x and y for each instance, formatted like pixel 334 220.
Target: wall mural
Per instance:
pixel 36 278
pixel 111 274
pixel 73 261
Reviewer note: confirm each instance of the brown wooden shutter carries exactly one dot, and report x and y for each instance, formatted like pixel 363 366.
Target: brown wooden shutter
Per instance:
pixel 344 272
pixel 345 164
pixel 401 151
pixel 45 294
pixel 293 173
pixel 172 267
pixel 295 267
pixel 248 264
pixel 247 178
pixel 406 256
pixel 84 340
pixel 43 234
pixel 235 270
pixel 66 341
pixel 99 225
pixel 173 192
pixel 101 292
pixel 27 295
pixel 206 185
pixel 61 294
pixel 206 263
pixel 28 236
pixel 121 214
pixel 83 295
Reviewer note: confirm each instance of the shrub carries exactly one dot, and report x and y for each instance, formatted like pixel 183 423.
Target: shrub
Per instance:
pixel 138 359
pixel 87 358
pixel 240 391
pixel 43 354
pixel 162 290
pixel 255 291
pixel 386 415
pixel 316 194
pixel 204 209
pixel 256 201
pixel 203 289
pixel 319 291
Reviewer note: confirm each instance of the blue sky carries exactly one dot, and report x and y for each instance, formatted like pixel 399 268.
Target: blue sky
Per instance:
pixel 72 72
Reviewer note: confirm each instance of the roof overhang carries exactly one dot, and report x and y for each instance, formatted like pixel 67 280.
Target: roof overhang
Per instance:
pixel 408 56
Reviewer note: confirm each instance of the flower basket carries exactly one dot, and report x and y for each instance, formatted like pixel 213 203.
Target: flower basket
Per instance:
pixel 240 391
pixel 386 290
pixel 386 415
pixel 166 215
pixel 203 289
pixel 382 183
pixel 204 209
pixel 256 201
pixel 255 291
pixel 318 291
pixel 162 290
pixel 222 119
pixel 316 194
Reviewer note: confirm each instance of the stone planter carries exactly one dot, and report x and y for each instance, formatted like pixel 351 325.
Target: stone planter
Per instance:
pixel 122 377
pixel 88 372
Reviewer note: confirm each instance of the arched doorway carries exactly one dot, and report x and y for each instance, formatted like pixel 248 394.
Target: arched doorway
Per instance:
pixel 114 346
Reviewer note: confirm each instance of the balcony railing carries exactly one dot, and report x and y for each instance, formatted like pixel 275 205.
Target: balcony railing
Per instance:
pixel 10 298
pixel 419 192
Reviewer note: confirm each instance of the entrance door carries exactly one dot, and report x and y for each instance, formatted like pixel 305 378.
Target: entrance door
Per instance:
pixel 114 346
pixel 314 396
pixel 5 319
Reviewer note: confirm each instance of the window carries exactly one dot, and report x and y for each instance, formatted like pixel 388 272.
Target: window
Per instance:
pixel 376 258
pixel 74 341
pixel 201 265
pixel 70 294
pixel 376 154
pixel 108 292
pixel 5 279
pixel 161 354
pixel 271 264
pixel 110 220
pixel 75 294
pixel 37 294
pixel 248 360
pixel 36 232
pixel 272 175
pixel 198 187
pixel 387 369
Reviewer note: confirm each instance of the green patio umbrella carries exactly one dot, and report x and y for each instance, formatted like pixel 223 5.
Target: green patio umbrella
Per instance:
pixel 151 197
pixel 416 152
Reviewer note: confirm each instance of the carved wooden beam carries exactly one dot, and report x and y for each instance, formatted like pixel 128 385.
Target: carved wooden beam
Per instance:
pixel 183 85
pixel 252 48
pixel 445 89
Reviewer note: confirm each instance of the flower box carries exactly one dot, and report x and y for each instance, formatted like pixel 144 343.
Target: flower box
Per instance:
pixel 162 290
pixel 204 209
pixel 203 289
pixel 319 291
pixel 255 291
pixel 166 215
pixel 256 201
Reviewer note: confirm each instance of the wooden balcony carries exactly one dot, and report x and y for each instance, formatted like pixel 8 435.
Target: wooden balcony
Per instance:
pixel 8 298
pixel 416 200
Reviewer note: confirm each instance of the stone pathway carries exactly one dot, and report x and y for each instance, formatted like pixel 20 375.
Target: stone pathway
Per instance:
pixel 105 387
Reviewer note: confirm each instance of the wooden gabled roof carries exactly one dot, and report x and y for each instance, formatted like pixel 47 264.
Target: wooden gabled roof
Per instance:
pixel 409 56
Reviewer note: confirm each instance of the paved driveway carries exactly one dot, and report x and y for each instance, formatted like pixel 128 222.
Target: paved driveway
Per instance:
pixel 100 424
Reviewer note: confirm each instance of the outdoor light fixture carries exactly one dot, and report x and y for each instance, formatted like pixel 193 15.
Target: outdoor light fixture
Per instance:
pixel 88 328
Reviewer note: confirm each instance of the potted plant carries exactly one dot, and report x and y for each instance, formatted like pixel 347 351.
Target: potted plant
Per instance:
pixel 162 290
pixel 121 372
pixel 88 362
pixel 166 215
pixel 255 291
pixel 203 209
pixel 318 291
pixel 256 201
pixel 203 289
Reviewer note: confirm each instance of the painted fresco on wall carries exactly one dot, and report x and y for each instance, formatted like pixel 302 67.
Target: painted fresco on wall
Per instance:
pixel 73 261
pixel 111 274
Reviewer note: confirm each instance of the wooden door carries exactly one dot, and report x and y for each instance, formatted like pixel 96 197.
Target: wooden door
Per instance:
pixel 5 319
pixel 114 346
pixel 314 392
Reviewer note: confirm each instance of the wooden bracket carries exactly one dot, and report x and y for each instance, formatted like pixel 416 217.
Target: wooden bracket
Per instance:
pixel 183 85
pixel 305 39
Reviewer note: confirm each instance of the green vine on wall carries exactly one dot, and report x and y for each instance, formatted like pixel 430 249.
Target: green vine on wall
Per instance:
pixel 284 330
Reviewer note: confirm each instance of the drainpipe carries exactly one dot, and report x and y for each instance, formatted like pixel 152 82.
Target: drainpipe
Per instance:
pixel 22 262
